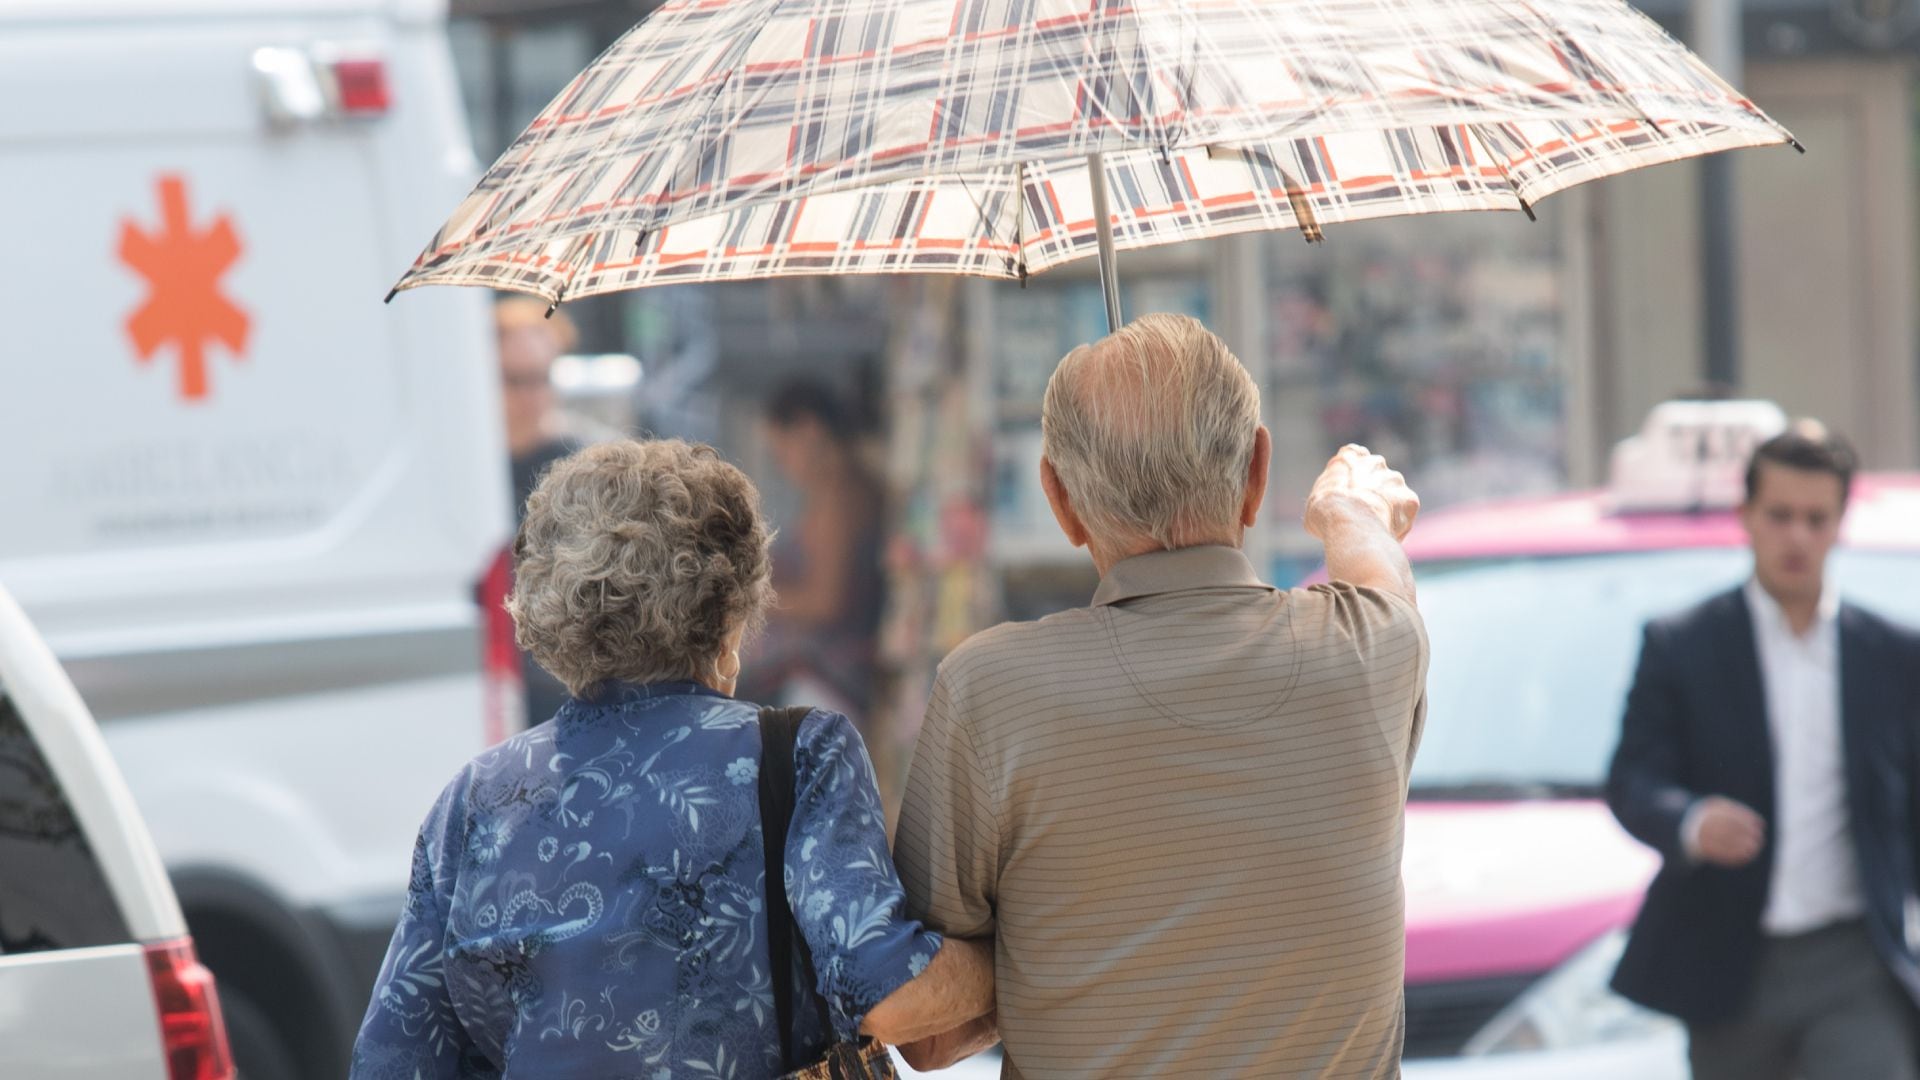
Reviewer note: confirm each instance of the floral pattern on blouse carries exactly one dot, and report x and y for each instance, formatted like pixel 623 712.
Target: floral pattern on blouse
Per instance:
pixel 588 900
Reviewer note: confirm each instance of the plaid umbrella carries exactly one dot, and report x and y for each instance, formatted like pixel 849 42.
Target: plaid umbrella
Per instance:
pixel 726 139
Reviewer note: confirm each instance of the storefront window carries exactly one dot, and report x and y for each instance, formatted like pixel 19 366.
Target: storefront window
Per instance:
pixel 1437 341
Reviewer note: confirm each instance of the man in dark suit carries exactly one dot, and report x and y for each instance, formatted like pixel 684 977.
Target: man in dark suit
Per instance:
pixel 1769 753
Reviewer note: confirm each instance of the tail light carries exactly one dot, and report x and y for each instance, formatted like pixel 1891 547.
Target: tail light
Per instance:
pixel 360 85
pixel 191 1031
pixel 505 700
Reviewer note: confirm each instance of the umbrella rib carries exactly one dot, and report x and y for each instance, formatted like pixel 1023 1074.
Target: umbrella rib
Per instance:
pixel 993 229
pixel 1108 74
pixel 1303 216
pixel 695 119
pixel 573 253
pixel 1565 34
pixel 1512 185
pixel 1304 219
pixel 1552 30
pixel 1020 219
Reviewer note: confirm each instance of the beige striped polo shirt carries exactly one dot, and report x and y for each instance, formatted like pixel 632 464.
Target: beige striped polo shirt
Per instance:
pixel 1179 812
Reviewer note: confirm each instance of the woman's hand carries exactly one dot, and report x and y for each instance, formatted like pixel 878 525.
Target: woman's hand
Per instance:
pixel 951 1047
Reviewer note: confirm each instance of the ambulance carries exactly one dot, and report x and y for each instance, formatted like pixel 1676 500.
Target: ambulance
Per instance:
pixel 257 516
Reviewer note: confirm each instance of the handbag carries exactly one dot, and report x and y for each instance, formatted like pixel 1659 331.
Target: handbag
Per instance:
pixel 866 1059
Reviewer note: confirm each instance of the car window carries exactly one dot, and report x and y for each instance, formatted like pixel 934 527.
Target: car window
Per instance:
pixel 1532 657
pixel 53 894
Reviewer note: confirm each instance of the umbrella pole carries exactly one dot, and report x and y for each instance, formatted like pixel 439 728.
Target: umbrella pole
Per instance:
pixel 1103 229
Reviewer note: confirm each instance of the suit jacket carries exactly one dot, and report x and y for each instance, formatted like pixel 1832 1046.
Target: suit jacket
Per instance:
pixel 1696 725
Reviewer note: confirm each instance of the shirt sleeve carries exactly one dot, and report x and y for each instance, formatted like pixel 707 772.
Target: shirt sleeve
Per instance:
pixel 948 843
pixel 411 1030
pixel 846 896
pixel 1389 641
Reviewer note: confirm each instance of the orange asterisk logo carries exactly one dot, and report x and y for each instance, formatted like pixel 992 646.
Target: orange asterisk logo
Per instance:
pixel 184 307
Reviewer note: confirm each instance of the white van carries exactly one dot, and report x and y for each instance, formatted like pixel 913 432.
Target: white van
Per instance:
pixel 257 515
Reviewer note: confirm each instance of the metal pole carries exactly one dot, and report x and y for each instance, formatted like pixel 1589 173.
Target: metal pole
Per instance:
pixel 1103 228
pixel 1716 33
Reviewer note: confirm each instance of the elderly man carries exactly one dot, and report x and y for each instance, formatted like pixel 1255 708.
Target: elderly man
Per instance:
pixel 1179 810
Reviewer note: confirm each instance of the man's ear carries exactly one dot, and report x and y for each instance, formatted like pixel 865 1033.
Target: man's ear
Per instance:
pixel 1062 505
pixel 1256 492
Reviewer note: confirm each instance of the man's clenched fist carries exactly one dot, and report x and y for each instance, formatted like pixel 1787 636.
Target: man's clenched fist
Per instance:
pixel 1358 478
pixel 1726 833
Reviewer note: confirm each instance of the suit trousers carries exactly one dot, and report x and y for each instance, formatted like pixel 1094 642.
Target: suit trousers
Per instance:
pixel 1823 1007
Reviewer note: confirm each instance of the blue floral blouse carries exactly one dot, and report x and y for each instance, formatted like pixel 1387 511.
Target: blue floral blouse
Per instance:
pixel 588 901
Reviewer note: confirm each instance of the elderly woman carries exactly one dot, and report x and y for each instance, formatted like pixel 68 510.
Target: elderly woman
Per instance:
pixel 589 898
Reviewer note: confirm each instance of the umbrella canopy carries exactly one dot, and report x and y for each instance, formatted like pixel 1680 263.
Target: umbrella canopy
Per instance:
pixel 726 139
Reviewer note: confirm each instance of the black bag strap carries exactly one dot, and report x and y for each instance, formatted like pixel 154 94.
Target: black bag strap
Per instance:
pixel 779 733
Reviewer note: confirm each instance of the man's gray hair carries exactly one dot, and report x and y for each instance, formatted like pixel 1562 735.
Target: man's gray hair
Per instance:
pixel 1151 430
pixel 635 561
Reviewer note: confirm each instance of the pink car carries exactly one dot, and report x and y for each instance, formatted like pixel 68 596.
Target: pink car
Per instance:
pixel 1520 885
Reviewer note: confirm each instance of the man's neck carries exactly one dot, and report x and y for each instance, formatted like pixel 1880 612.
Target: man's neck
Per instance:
pixel 1800 616
pixel 1107 556
pixel 1801 612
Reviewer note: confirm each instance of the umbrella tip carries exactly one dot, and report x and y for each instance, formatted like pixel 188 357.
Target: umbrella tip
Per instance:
pixel 1795 143
pixel 391 293
pixel 553 307
pixel 1527 208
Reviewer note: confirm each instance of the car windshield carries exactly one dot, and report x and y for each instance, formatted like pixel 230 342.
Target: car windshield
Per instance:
pixel 1532 657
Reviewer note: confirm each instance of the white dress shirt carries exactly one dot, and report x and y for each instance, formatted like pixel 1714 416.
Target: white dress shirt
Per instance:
pixel 1815 878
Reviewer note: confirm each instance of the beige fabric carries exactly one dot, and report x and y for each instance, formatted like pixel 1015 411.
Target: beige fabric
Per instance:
pixel 1180 813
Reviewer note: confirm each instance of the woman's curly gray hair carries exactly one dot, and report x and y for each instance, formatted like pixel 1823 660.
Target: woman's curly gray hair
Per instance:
pixel 635 561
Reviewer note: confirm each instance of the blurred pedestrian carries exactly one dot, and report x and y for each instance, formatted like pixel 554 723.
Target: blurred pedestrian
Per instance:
pixel 529 343
pixel 1768 752
pixel 590 898
pixel 1180 810
pixel 827 564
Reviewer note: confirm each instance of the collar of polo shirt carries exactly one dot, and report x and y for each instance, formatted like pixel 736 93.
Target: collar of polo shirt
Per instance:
pixel 1205 567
